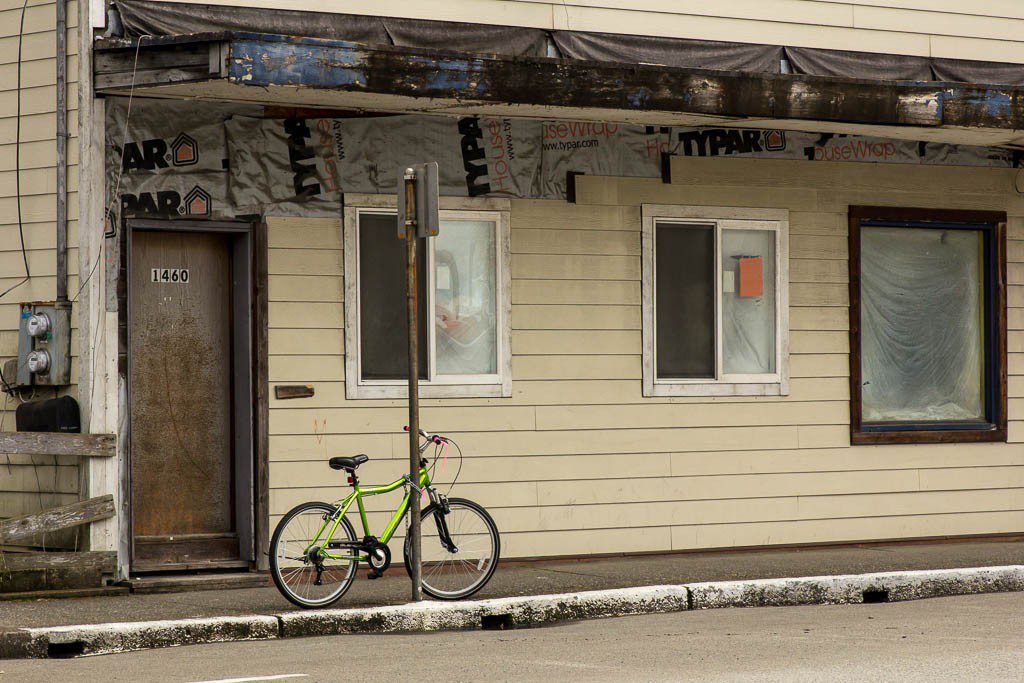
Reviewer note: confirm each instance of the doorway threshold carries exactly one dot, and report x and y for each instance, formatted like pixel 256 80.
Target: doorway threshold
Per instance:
pixel 180 583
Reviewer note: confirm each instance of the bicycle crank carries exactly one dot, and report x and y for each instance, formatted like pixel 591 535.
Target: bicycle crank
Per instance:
pixel 379 558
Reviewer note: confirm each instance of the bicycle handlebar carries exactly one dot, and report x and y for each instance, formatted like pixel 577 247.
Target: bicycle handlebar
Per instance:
pixel 433 438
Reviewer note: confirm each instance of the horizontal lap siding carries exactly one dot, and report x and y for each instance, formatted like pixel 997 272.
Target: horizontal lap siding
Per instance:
pixel 29 484
pixel 576 461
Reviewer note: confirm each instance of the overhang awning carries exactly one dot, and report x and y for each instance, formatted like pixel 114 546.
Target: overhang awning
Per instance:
pixel 309 72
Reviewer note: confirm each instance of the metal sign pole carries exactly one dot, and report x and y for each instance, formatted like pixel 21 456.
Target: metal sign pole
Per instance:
pixel 411 287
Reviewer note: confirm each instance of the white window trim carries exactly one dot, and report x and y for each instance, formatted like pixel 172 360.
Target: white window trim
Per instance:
pixel 776 384
pixel 451 386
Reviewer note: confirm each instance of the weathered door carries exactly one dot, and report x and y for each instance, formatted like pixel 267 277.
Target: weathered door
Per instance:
pixel 181 394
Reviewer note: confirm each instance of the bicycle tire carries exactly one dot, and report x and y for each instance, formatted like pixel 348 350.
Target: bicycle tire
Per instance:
pixel 275 565
pixel 435 591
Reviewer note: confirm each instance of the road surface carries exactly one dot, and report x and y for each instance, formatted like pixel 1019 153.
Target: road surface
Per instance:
pixel 978 638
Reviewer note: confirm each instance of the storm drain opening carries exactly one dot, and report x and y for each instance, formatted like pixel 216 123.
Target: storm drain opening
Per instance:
pixel 75 648
pixel 496 622
pixel 875 595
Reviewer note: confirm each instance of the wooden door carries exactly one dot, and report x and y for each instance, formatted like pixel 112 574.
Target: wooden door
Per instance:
pixel 182 464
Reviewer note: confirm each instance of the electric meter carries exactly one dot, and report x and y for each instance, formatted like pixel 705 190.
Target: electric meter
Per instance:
pixel 38 325
pixel 39 361
pixel 44 344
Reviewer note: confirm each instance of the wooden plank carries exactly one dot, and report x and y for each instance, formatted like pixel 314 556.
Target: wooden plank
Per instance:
pixel 301 369
pixel 306 342
pixel 725 487
pixel 557 317
pixel 606 190
pixel 45 443
pixel 558 267
pixel 307 316
pixel 304 262
pixel 547 214
pixel 576 367
pixel 306 288
pixel 261 412
pixel 613 292
pixel 816 270
pixel 102 560
pixel 582 392
pixel 692 415
pixel 55 519
pixel 843 530
pixel 288 391
pixel 818 294
pixel 575 342
pixel 824 247
pixel 833 177
pixel 530 241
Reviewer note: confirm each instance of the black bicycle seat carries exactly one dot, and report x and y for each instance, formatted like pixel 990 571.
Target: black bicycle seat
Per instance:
pixel 343 463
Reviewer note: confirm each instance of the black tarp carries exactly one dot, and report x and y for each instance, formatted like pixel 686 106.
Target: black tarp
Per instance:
pixel 143 17
pixel 675 52
pixel 171 18
pixel 848 64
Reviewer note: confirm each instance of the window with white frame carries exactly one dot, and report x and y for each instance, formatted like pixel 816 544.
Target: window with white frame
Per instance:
pixel 464 303
pixel 715 304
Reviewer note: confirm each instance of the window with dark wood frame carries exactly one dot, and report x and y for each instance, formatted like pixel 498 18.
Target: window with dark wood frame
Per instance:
pixel 869 227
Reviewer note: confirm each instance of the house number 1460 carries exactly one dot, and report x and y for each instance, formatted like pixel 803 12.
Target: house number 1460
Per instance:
pixel 175 275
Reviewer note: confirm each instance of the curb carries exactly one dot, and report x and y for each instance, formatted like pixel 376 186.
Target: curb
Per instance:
pixel 516 612
pixel 856 588
pixel 101 639
pixel 498 613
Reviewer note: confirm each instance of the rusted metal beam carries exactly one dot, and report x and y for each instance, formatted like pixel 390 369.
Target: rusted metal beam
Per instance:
pixel 56 519
pixel 47 443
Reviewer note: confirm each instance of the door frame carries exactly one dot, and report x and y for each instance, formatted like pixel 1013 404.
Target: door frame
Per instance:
pixel 249 373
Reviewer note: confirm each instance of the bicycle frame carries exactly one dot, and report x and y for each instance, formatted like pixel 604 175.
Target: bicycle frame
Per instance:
pixel 357 495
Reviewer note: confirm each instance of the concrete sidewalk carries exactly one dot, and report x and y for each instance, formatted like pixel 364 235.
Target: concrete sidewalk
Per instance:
pixel 531 578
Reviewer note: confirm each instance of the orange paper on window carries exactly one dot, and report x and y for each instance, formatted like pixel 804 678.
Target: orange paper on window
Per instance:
pixel 751 276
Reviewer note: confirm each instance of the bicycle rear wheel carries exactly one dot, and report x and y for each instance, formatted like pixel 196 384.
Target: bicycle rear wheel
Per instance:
pixel 458 574
pixel 304 581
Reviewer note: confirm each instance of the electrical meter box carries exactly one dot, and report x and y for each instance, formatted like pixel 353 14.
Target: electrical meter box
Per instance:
pixel 44 344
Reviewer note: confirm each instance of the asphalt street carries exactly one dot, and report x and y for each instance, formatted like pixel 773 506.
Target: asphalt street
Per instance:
pixel 976 638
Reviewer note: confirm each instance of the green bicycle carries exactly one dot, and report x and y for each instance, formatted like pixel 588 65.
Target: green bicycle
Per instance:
pixel 315 552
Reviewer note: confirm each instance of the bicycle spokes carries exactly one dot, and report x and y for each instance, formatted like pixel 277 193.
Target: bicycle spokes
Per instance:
pixel 459 550
pixel 302 562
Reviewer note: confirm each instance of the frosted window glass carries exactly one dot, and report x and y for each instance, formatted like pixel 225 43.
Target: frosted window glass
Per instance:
pixel 465 298
pixel 921 324
pixel 748 322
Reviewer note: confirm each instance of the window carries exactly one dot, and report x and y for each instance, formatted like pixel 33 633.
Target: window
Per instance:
pixel 715 306
pixel 927 321
pixel 464 302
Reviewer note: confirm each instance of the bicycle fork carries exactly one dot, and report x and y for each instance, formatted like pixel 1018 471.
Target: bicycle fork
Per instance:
pixel 441 501
pixel 441 520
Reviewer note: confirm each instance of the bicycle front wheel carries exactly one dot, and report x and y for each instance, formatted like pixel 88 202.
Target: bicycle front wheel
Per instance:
pixel 458 570
pixel 306 578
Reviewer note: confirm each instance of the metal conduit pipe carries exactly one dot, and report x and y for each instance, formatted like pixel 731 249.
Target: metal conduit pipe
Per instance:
pixel 62 152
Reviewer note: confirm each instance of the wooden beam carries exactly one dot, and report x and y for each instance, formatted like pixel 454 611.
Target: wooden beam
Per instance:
pixel 55 519
pixel 104 561
pixel 466 79
pixel 53 443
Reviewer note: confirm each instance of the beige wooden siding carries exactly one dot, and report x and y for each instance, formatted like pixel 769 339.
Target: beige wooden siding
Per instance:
pixel 577 461
pixel 987 29
pixel 31 483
